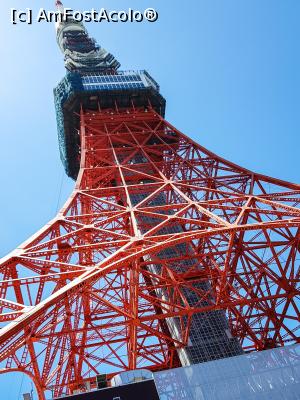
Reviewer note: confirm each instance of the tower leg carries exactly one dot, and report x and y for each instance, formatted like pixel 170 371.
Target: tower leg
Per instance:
pixel 165 254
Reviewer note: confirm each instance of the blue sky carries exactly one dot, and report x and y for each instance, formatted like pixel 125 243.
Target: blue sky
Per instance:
pixel 229 70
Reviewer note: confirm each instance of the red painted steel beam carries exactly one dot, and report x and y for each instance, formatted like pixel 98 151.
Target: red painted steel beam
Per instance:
pixel 82 297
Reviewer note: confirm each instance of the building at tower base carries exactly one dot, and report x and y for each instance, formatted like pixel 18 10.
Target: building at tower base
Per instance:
pixel 271 374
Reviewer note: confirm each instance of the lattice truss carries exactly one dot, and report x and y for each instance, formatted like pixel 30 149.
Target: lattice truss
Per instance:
pixel 154 219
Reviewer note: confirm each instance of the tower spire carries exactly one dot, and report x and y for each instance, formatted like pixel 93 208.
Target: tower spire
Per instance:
pixel 59 5
pixel 82 53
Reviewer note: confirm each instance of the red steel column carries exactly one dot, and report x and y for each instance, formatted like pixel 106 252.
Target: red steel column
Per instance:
pixel 81 296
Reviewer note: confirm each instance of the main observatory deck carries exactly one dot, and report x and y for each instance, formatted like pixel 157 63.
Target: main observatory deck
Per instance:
pixel 98 90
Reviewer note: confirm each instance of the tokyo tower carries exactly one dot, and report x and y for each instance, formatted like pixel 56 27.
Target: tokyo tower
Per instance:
pixel 165 255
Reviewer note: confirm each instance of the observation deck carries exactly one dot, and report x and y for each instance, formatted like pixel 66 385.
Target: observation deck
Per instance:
pixel 94 91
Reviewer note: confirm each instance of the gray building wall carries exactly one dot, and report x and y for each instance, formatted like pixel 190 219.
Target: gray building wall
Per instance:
pixel 266 375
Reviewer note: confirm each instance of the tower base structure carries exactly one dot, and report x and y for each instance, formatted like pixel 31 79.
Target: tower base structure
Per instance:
pixel 271 374
pixel 145 390
pixel 120 279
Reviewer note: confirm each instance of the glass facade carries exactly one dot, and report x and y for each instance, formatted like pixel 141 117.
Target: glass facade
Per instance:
pixel 122 80
pixel 270 374
pixel 112 82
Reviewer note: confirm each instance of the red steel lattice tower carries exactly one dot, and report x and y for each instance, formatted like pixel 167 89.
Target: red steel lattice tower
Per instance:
pixel 164 255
